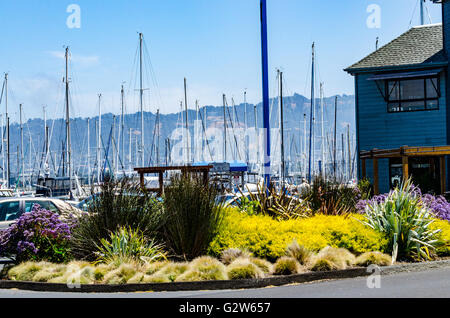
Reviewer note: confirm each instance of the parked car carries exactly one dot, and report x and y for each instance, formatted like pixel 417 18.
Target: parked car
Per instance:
pixel 12 208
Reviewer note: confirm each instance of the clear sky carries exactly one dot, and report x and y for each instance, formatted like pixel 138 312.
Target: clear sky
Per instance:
pixel 215 44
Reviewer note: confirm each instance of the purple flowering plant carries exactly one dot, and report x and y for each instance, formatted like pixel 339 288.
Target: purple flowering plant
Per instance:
pixel 438 205
pixel 39 235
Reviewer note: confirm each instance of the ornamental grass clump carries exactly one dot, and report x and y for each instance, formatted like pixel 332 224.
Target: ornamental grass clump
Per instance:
pixel 340 258
pixel 127 245
pixel 229 255
pixel 26 271
pixel 265 266
pixel 204 268
pixel 244 268
pixel 173 270
pixel 375 258
pixel 190 205
pixel 39 235
pixel 299 252
pixel 49 272
pixel 407 222
pixel 121 275
pixel 287 266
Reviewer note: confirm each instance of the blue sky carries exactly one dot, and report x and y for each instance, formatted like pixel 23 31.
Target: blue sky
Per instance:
pixel 214 43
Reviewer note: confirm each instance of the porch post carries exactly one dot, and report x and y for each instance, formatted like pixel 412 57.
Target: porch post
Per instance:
pixel 363 168
pixel 405 162
pixel 376 182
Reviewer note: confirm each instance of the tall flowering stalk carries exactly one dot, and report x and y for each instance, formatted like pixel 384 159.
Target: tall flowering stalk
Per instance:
pixel 36 236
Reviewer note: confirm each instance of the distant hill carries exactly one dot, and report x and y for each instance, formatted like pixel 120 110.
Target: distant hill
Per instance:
pixel 296 107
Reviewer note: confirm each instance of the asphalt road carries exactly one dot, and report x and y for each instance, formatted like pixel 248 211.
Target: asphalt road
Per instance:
pixel 432 283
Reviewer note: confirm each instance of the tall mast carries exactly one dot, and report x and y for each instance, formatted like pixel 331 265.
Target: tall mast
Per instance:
pixel 114 150
pixel 3 150
pixel 157 137
pixel 68 145
pixel 224 129
pixel 130 156
pixel 99 138
pixel 282 166
pixel 265 89
pixel 122 124
pixel 349 163
pixel 8 159
pixel 323 132
pixel 304 142
pixel 258 154
pixel 335 136
pixel 246 141
pixel 21 148
pixel 311 123
pixel 141 100
pixel 88 152
pixel 30 158
pixel 422 15
pixel 186 123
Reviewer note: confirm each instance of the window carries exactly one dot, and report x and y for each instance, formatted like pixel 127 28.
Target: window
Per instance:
pixel 9 211
pixel 47 205
pixel 408 95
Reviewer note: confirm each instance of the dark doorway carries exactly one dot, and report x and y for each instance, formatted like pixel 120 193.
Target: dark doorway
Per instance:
pixel 424 172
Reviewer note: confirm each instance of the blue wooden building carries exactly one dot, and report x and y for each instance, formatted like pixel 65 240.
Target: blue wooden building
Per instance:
pixel 402 109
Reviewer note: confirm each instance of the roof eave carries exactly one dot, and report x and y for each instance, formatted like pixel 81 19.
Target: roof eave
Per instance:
pixel 353 71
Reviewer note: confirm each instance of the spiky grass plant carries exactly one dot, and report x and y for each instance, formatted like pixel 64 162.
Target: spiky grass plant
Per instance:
pixel 152 268
pixel 243 268
pixel 322 265
pixel 128 245
pixel 299 252
pixel 229 255
pixel 118 204
pixel 49 272
pixel 376 258
pixel 194 216
pixel 407 222
pixel 204 268
pixel 287 266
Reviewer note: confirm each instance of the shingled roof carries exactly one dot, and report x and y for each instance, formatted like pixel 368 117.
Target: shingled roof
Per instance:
pixel 419 45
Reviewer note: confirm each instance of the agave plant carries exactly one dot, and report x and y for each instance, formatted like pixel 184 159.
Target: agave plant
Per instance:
pixel 128 245
pixel 406 221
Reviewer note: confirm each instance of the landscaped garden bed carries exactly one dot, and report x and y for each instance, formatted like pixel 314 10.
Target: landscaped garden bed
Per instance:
pixel 128 237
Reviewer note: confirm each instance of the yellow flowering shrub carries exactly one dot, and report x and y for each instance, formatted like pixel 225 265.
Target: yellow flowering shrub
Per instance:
pixel 268 238
pixel 444 248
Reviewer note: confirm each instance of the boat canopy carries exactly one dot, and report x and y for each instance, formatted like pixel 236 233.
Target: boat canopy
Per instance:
pixel 231 166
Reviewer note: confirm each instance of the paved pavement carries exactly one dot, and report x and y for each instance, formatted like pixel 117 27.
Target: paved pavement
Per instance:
pixel 431 283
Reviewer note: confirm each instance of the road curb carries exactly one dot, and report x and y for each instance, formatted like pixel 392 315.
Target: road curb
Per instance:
pixel 222 285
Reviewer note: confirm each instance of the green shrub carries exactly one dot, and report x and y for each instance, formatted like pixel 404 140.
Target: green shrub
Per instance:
pixel 279 204
pixel 243 268
pixel 173 270
pixel 204 268
pixel 407 222
pixel 190 205
pixel 330 197
pixel 287 266
pixel 300 253
pixel 119 204
pixel 375 258
pixel 443 245
pixel 127 245
pixel 229 255
pixel 267 238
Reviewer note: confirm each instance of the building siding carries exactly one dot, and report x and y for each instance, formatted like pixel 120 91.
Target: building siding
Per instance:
pixel 378 129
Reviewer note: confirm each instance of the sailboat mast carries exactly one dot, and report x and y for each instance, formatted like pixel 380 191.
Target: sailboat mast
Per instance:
pixel 99 138
pixel 224 130
pixel 21 148
pixel 322 144
pixel 335 137
pixel 88 152
pixel 258 154
pixel 186 122
pixel 122 123
pixel 8 158
pixel 282 167
pixel 246 141
pixel 68 145
pixel 141 99
pixel 311 122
